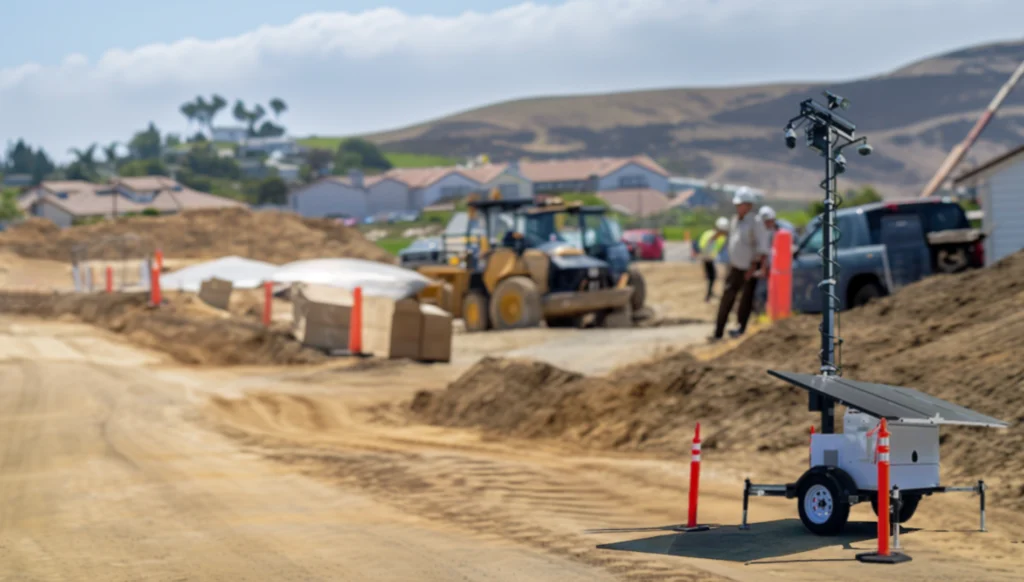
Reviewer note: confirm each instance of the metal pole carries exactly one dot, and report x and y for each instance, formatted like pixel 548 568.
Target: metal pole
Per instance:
pixel 746 501
pixel 828 286
pixel 897 506
pixel 981 493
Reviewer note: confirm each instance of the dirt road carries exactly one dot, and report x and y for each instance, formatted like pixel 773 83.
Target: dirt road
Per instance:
pixel 116 465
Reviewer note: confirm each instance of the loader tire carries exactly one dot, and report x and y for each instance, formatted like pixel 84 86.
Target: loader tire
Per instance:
pixel 475 312
pixel 639 297
pixel 516 304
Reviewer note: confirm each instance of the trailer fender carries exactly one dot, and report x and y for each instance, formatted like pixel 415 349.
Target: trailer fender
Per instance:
pixel 846 482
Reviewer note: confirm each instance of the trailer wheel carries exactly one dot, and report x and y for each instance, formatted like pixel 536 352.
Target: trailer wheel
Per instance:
pixel 516 304
pixel 906 511
pixel 639 297
pixel 474 312
pixel 823 508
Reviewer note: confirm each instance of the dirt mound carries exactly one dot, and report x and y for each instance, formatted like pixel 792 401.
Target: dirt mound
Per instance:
pixel 957 337
pixel 185 328
pixel 275 237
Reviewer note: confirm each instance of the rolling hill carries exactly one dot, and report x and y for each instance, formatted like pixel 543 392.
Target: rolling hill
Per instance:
pixel 913 116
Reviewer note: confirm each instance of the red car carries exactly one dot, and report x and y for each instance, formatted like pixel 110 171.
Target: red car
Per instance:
pixel 645 244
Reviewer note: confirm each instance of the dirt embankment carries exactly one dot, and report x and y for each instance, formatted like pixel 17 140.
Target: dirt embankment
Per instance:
pixel 957 337
pixel 185 328
pixel 275 237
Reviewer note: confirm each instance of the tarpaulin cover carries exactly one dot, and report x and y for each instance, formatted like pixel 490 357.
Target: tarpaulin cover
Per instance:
pixel 242 273
pixel 376 279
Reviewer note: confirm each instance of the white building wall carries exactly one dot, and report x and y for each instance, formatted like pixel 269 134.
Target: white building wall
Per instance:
pixel 329 198
pixel 60 217
pixel 389 196
pixel 1004 213
pixel 453 182
pixel 641 178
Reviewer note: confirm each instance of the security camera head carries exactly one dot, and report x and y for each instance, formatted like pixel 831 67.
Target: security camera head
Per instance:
pixel 790 138
pixel 865 149
pixel 840 164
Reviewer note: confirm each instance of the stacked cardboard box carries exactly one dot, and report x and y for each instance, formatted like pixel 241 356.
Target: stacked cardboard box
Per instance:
pixel 216 292
pixel 436 334
pixel 320 316
pixel 391 329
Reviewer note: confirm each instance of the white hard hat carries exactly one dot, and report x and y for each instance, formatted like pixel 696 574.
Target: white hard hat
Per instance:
pixel 743 195
pixel 766 213
pixel 722 223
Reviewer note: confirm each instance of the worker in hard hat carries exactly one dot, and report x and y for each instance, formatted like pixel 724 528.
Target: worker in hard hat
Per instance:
pixel 709 246
pixel 768 225
pixel 746 252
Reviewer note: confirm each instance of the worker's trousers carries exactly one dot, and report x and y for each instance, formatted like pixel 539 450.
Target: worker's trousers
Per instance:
pixel 709 273
pixel 736 283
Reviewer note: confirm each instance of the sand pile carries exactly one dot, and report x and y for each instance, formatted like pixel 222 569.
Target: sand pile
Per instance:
pixel 957 337
pixel 185 328
pixel 275 237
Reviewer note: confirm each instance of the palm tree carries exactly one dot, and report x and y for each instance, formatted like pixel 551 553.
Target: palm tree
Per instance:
pixel 256 115
pixel 189 110
pixel 202 111
pixel 216 105
pixel 110 152
pixel 240 113
pixel 278 106
pixel 85 157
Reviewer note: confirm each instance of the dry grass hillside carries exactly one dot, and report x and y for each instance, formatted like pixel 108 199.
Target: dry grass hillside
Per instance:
pixel 914 116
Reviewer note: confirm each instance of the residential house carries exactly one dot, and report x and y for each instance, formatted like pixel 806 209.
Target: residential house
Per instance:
pixel 639 202
pixel 235 134
pixel 258 146
pixel 331 197
pixel 65 202
pixel 428 186
pixel 595 175
pixel 998 186
pixel 694 198
pixel 507 178
pixel 11 180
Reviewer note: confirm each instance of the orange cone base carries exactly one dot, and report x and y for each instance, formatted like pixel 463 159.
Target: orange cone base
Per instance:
pixel 876 558
pixel 692 529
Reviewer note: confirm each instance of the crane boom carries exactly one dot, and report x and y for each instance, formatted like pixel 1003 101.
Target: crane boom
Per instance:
pixel 958 153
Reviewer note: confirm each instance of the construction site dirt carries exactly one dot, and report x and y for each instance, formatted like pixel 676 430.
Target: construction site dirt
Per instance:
pixel 133 447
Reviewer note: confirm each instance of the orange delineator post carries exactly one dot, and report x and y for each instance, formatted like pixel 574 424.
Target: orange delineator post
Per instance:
pixel 155 297
pixel 158 257
pixel 780 280
pixel 268 297
pixel 355 323
pixel 691 521
pixel 110 279
pixel 883 489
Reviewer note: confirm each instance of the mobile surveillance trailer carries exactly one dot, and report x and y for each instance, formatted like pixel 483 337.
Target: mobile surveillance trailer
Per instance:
pixel 843 468
pixel 505 282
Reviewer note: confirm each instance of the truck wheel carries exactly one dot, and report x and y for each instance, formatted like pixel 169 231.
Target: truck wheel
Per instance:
pixel 516 304
pixel 865 293
pixel 952 260
pixel 474 312
pixel 823 509
pixel 906 511
pixel 639 297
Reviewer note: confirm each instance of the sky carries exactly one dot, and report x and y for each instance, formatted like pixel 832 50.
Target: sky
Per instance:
pixel 75 73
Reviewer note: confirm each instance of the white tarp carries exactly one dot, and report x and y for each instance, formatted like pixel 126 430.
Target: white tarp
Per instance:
pixel 376 279
pixel 243 274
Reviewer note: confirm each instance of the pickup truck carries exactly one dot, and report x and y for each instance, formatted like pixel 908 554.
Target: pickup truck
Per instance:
pixel 884 246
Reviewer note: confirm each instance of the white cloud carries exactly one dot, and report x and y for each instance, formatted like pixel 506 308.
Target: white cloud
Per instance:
pixel 345 73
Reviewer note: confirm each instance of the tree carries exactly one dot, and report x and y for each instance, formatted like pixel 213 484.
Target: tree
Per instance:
pixel 203 159
pixel 866 195
pixel 272 190
pixel 110 153
pixel 257 113
pixel 9 205
pixel 278 106
pixel 145 145
pixel 190 111
pixel 42 166
pixel 268 129
pixel 318 159
pixel 172 140
pixel 150 167
pixel 215 106
pixel 345 161
pixel 370 157
pixel 86 158
pixel 20 158
pixel 240 113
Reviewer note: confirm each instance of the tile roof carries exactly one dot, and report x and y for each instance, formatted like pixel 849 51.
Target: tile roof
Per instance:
pixel 636 201
pixel 98 199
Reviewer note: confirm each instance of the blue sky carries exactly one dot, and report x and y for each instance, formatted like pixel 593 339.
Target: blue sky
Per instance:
pixel 75 73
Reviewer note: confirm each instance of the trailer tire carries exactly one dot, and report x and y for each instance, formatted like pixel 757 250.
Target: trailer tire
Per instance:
pixel 906 511
pixel 824 508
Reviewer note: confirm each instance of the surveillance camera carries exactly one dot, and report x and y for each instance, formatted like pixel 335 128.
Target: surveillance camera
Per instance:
pixel 840 164
pixel 790 138
pixel 865 149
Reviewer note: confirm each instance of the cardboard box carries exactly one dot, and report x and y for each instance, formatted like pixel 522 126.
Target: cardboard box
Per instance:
pixel 391 329
pixel 436 334
pixel 216 293
pixel 320 316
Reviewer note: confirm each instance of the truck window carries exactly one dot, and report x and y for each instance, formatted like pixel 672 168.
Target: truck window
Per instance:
pixel 813 242
pixel 934 217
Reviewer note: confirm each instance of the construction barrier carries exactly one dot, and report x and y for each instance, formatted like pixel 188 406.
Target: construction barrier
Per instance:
pixel 268 297
pixel 780 280
pixel 355 326
pixel 884 555
pixel 158 256
pixel 110 279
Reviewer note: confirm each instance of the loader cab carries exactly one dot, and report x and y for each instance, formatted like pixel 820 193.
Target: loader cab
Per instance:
pixel 585 228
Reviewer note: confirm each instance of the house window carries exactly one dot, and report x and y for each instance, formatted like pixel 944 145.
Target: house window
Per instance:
pixel 453 192
pixel 633 181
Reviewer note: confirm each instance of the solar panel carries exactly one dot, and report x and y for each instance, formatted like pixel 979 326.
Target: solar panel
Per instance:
pixel 894 403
